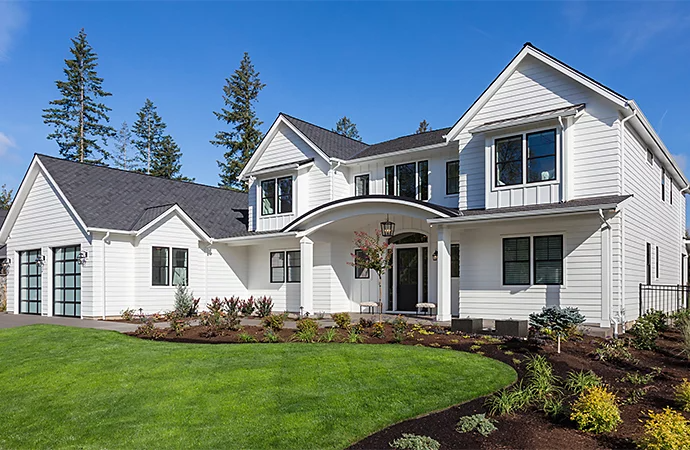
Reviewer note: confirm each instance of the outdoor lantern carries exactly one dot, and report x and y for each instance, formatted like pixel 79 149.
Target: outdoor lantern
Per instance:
pixel 387 228
pixel 435 256
pixel 81 258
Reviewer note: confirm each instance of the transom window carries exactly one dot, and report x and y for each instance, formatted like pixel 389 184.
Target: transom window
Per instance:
pixel 362 185
pixel 526 158
pixel 286 261
pixel 276 196
pixel 546 259
pixel 452 177
pixel 162 266
pixel 410 180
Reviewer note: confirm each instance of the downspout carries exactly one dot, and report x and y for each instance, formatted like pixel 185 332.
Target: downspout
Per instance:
pixel 621 289
pixel 609 269
pixel 105 238
pixel 565 191
pixel 331 173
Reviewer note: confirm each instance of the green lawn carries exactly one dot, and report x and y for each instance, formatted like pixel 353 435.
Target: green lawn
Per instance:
pixel 81 388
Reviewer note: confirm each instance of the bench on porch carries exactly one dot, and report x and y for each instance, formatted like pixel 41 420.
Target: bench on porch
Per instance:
pixel 370 305
pixel 429 307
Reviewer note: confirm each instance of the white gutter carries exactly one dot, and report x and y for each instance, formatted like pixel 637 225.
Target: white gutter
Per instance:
pixel 259 237
pixel 106 238
pixel 107 231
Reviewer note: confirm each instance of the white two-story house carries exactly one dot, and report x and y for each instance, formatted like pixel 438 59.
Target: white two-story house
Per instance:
pixel 552 189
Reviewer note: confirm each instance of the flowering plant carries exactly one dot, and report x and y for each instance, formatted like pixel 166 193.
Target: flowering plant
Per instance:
pixel 376 255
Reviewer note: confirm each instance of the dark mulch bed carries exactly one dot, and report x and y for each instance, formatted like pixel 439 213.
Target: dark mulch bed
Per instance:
pixel 529 429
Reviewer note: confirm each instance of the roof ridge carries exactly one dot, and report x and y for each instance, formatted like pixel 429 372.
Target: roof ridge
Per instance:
pixel 117 169
pixel 325 129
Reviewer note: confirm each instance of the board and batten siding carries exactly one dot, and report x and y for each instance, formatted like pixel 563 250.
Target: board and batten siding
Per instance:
pixel 45 223
pixel 649 219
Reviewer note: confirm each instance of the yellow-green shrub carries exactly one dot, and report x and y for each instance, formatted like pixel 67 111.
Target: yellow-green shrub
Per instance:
pixel 683 395
pixel 595 410
pixel 667 430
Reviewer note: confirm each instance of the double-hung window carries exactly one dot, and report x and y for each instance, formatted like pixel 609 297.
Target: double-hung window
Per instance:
pixel 409 180
pixel 548 259
pixel 452 177
pixel 164 268
pixel 541 255
pixel 160 266
pixel 294 266
pixel 525 158
pixel 360 272
pixel 276 196
pixel 362 185
pixel 283 262
pixel 516 261
pixel 180 267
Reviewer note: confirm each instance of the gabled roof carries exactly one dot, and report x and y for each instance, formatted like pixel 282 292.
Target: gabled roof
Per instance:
pixel 411 141
pixel 113 199
pixel 331 143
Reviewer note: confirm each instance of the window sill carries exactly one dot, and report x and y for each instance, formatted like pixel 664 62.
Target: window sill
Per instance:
pixel 525 185
pixel 276 215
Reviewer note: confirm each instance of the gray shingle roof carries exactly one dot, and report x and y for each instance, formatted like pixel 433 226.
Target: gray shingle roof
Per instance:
pixel 331 143
pixel 404 143
pixel 576 203
pixel 115 199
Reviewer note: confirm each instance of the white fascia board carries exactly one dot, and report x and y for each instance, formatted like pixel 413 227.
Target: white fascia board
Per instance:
pixel 281 120
pixel 523 214
pixel 392 154
pixel 508 71
pixel 107 230
pixel 284 167
pixel 655 137
pixel 259 237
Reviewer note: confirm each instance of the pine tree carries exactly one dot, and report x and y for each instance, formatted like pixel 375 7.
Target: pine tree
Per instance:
pixel 149 131
pixel 239 93
pixel 423 127
pixel 165 160
pixel 347 128
pixel 124 157
pixel 79 120
pixel 5 197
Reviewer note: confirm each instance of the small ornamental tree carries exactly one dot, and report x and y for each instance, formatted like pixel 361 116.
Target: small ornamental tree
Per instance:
pixel 556 321
pixel 376 255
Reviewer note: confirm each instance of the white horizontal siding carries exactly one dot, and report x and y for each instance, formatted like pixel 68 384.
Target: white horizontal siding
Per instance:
pixel 286 296
pixel 286 147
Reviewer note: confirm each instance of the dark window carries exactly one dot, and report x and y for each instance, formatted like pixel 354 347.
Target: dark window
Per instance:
pixel 455 260
pixel 277 267
pixel 67 282
pixel 541 156
pixel 657 262
pixel 548 260
pixel 423 177
pixel 509 161
pixel 361 185
pixel 516 261
pixel 649 263
pixel 180 273
pixel 650 156
pixel 670 193
pixel 360 272
pixel 285 195
pixel 160 267
pixel 268 197
pixel 390 180
pixel 29 282
pixel 663 185
pixel 293 266
pixel 406 180
pixel 452 177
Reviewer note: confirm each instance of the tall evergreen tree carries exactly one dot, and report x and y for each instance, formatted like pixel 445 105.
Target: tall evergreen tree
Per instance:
pixel 6 196
pixel 347 128
pixel 124 156
pixel 149 131
pixel 423 127
pixel 78 118
pixel 165 161
pixel 239 94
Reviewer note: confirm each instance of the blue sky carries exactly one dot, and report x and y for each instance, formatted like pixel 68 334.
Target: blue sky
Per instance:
pixel 385 65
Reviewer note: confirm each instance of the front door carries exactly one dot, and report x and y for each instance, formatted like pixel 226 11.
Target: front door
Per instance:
pixel 407 261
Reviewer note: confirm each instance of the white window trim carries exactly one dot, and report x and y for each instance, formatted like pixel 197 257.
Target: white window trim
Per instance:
pixel 525 184
pixel 445 178
pixel 354 182
pixel 531 237
pixel 170 284
pixel 260 193
pixel 284 251
pixel 416 177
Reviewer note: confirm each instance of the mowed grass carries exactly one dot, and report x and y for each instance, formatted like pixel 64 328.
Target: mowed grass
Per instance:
pixel 68 387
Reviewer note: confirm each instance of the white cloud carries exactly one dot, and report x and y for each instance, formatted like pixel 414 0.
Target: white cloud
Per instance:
pixel 6 144
pixel 13 17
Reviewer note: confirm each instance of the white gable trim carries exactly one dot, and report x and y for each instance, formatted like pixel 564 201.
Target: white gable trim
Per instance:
pixel 528 50
pixel 281 120
pixel 35 168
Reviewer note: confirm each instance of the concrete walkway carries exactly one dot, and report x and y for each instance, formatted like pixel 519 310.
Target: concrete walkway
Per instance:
pixel 19 320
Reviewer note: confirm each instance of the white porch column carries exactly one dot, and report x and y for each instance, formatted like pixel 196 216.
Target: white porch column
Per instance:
pixel 443 311
pixel 306 247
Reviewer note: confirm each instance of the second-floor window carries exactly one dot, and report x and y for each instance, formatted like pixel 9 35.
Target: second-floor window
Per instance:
pixel 362 185
pixel 276 196
pixel 663 185
pixel 452 177
pixel 410 180
pixel 525 158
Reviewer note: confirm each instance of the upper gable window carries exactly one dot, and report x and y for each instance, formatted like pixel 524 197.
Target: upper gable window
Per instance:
pixel 409 180
pixel 276 195
pixel 526 158
pixel 452 177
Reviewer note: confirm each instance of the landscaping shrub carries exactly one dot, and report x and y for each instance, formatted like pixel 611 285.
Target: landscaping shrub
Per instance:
pixel 274 322
pixel 557 322
pixel 685 339
pixel 595 410
pixel 306 330
pixel 399 328
pixel 270 336
pixel 216 306
pixel 644 334
pixel 342 320
pixel 232 305
pixel 264 306
pixel 354 335
pixel 128 314
pixel 638 378
pixel 508 401
pixel 247 307
pixel 682 395
pixel 667 430
pixel 328 335
pixel 657 318
pixel 579 381
pixel 365 323
pixel 184 302
pixel 217 320
pixel 614 350
pixel 542 382
pixel 379 330
pixel 477 422
pixel 246 338
pixel 148 329
pixel 680 318
pixel 555 408
pixel 178 323
pixel 635 396
pixel 415 442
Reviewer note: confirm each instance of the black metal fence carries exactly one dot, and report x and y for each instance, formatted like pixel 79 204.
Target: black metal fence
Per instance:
pixel 666 298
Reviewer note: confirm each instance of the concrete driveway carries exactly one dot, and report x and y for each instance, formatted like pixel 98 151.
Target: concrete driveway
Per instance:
pixel 19 320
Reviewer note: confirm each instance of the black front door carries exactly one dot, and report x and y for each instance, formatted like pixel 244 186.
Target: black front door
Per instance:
pixel 408 278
